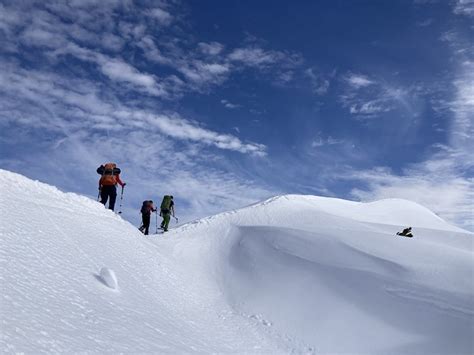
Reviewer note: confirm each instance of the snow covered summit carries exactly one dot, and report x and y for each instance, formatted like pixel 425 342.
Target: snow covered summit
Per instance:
pixel 292 274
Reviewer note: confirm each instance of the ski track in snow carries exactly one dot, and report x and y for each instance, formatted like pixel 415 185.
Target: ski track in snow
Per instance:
pixel 293 274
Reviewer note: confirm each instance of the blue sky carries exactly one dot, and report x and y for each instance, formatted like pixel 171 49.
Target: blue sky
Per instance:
pixel 224 103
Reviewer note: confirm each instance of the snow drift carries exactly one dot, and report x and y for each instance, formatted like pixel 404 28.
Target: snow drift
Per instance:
pixel 292 274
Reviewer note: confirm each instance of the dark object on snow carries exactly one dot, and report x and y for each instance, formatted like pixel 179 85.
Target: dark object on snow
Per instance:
pixel 406 233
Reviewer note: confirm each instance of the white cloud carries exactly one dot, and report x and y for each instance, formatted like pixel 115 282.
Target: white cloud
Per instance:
pixel 9 19
pixel 464 7
pixel 320 142
pixel 179 128
pixel 112 42
pixel 39 37
pixel 120 71
pixel 70 99
pixel 162 16
pixel 320 84
pixel 258 57
pixel 212 49
pixel 229 105
pixel 90 30
pixel 369 98
pixel 202 73
pixel 253 56
pixel 370 108
pixel 358 81
pixel 151 51
pixel 116 69
pixel 458 104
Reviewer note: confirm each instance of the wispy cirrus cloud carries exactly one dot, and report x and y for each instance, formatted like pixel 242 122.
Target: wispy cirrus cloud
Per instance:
pixel 229 104
pixel 319 83
pixel 255 56
pixel 460 104
pixel 358 81
pixel 443 181
pixel 320 141
pixel 367 98
pixel 370 108
pixel 91 33
pixel 80 99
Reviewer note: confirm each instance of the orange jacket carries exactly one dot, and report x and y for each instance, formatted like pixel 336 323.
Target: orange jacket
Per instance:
pixel 109 180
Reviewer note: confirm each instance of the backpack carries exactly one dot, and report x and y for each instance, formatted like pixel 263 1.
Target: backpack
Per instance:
pixel 146 207
pixel 166 203
pixel 108 169
pixel 108 172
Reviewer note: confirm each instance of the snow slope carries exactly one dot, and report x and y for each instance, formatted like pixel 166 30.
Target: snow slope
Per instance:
pixel 292 274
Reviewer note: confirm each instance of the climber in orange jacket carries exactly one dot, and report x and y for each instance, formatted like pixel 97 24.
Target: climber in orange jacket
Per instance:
pixel 107 183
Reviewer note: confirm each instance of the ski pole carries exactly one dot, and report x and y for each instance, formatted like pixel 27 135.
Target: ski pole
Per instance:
pixel 156 219
pixel 176 218
pixel 121 198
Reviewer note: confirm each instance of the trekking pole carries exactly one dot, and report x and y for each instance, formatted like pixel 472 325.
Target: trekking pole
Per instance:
pixel 176 218
pixel 156 219
pixel 121 198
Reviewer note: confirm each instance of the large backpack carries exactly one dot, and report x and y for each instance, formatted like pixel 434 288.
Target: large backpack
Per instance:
pixel 146 207
pixel 166 203
pixel 108 169
pixel 108 172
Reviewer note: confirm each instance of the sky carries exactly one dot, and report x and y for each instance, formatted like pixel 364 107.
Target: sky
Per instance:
pixel 225 103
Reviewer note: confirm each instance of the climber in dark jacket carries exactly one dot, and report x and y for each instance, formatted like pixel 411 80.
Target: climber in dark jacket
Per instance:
pixel 147 209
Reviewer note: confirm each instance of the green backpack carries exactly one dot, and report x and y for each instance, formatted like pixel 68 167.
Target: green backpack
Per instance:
pixel 166 203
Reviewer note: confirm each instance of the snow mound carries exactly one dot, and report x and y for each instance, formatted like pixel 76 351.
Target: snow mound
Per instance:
pixel 293 274
pixel 108 277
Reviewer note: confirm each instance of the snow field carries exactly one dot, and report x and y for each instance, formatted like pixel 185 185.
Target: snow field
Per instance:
pixel 292 274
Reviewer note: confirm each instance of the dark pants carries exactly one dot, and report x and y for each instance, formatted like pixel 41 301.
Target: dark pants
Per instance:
pixel 146 222
pixel 108 191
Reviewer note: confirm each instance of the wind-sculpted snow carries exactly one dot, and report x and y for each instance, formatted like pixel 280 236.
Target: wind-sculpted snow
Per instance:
pixel 291 274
